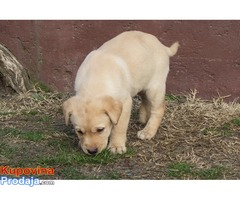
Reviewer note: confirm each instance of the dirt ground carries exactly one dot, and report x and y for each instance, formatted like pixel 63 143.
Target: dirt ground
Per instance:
pixel 197 140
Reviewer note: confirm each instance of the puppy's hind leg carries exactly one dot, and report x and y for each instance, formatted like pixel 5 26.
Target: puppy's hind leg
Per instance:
pixel 157 108
pixel 144 111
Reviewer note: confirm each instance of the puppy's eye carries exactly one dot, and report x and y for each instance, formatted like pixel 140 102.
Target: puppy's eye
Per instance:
pixel 79 132
pixel 99 130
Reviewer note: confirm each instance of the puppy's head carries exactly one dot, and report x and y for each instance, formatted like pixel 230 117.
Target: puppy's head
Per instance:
pixel 93 120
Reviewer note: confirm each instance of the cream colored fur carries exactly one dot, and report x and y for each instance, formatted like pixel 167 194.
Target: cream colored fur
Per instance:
pixel 131 63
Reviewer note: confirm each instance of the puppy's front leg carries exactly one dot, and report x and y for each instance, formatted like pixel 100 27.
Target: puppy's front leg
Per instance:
pixel 118 136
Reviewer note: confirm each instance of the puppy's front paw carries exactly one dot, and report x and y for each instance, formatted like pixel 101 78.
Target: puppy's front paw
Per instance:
pixel 145 135
pixel 117 149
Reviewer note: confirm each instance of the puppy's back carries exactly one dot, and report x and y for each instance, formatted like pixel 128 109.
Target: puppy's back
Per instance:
pixel 143 54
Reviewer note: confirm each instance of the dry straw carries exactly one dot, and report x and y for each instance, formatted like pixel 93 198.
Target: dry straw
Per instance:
pixel 195 131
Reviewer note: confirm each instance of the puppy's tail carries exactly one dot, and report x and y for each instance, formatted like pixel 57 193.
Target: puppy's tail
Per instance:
pixel 172 50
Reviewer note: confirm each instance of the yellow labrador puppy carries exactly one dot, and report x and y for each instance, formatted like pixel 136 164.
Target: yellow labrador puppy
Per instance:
pixel 131 63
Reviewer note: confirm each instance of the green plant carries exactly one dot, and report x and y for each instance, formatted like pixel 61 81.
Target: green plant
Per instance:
pixel 236 121
pixel 210 174
pixel 183 170
pixel 180 169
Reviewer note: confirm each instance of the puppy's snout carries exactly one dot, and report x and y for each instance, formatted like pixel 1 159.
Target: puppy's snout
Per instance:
pixel 92 151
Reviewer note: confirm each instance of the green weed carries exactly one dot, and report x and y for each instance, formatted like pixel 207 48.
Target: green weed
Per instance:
pixel 236 121
pixel 74 173
pixel 8 151
pixel 183 170
pixel 175 98
pixel 210 174
pixel 7 113
pixel 72 156
pixel 179 170
pixel 26 135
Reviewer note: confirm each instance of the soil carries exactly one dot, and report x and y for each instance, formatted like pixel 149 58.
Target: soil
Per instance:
pixel 197 140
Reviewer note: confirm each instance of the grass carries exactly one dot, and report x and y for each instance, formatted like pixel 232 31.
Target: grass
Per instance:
pixel 175 98
pixel 31 113
pixel 59 150
pixel 236 121
pixel 197 140
pixel 42 86
pixel 75 157
pixel 7 151
pixel 179 170
pixel 26 135
pixel 212 173
pixel 73 173
pixel 227 129
pixel 182 170
pixel 7 113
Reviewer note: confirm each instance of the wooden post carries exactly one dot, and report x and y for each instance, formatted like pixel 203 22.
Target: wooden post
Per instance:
pixel 12 73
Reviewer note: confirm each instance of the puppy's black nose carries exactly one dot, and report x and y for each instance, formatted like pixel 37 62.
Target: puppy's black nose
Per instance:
pixel 92 151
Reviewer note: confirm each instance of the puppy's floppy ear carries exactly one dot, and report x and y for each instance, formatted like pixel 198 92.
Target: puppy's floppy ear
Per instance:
pixel 113 108
pixel 67 109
